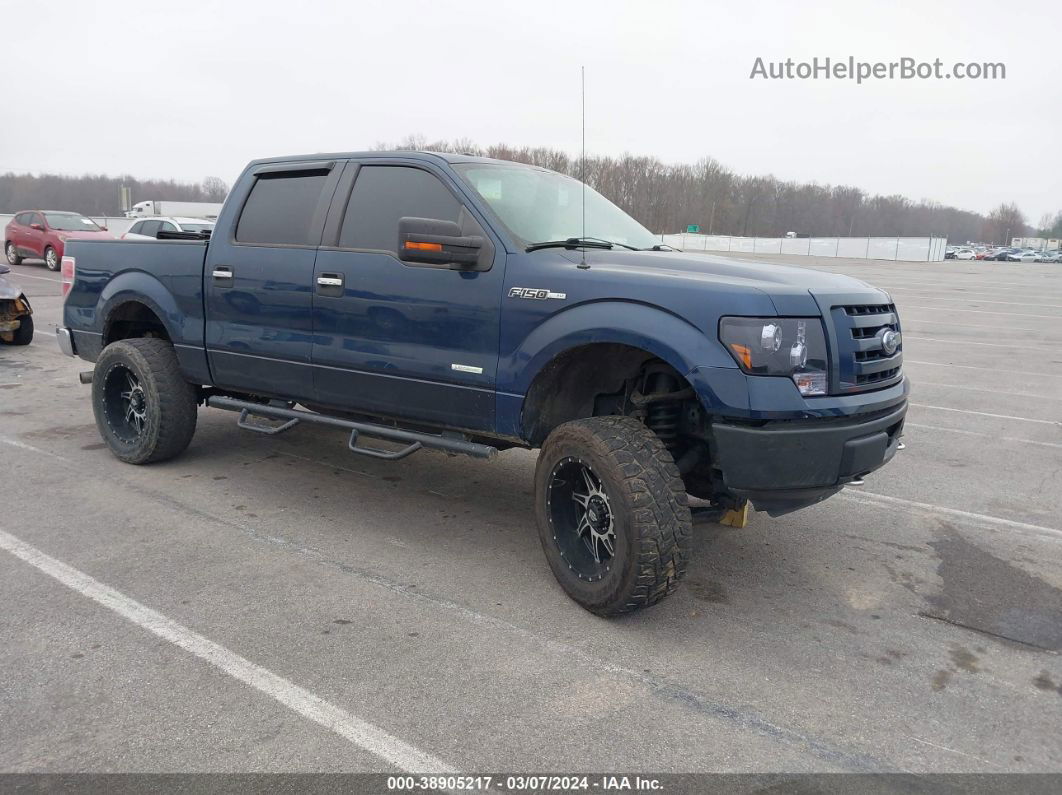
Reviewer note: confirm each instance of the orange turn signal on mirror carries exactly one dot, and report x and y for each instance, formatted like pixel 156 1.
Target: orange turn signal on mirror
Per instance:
pixel 744 354
pixel 423 246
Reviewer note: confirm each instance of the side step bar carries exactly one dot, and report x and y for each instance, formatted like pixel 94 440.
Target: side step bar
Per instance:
pixel 414 440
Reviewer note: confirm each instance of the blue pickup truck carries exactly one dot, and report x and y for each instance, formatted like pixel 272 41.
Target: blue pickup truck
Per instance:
pixel 471 305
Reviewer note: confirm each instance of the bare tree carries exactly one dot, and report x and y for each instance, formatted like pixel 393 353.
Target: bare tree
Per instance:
pixel 1004 222
pixel 215 189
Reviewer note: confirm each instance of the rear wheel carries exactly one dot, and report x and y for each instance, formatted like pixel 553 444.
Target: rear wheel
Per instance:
pixel 51 259
pixel 612 514
pixel 12 254
pixel 145 410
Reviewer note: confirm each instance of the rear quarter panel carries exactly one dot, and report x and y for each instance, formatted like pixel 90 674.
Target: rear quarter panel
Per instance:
pixel 165 276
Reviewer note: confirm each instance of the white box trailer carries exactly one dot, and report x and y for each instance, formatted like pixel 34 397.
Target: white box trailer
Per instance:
pixel 1036 243
pixel 144 209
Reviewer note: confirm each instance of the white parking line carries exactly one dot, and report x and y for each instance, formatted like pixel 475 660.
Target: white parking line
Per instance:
pixel 978 300
pixel 873 498
pixel 964 432
pixel 987 414
pixel 907 319
pixel 30 276
pixel 986 369
pixel 920 382
pixel 960 288
pixel 312 707
pixel 1016 344
pixel 947 310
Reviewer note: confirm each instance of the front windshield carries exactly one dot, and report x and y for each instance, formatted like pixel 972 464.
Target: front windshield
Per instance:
pixel 537 205
pixel 68 222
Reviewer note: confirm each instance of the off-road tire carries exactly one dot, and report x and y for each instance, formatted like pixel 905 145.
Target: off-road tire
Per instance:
pixel 651 516
pixel 23 335
pixel 48 261
pixel 169 401
pixel 12 254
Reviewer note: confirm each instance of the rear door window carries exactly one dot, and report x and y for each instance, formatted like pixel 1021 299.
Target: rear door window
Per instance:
pixel 384 194
pixel 150 228
pixel 281 207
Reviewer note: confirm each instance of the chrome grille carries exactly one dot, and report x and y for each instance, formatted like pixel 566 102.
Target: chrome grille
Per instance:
pixel 862 363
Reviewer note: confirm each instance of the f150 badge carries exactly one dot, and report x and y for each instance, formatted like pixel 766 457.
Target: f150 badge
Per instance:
pixel 534 293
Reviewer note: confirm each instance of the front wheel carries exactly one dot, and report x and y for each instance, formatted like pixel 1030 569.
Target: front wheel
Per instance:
pixel 51 259
pixel 23 335
pixel 12 254
pixel 145 410
pixel 612 514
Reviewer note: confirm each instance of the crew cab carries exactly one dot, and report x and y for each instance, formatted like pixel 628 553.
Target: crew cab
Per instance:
pixel 471 305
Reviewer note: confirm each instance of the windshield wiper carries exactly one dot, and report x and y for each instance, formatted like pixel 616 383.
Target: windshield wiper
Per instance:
pixel 571 242
pixel 580 242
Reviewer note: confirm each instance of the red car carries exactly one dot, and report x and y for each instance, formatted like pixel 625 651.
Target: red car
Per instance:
pixel 42 234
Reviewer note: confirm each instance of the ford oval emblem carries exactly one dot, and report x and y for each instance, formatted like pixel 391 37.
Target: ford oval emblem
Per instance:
pixel 889 340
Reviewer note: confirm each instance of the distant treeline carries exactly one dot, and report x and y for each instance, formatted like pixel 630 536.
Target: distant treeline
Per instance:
pixel 668 197
pixel 664 197
pixel 95 194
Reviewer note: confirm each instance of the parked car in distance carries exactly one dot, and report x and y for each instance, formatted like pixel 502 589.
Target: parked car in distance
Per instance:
pixel 965 253
pixel 149 228
pixel 16 314
pixel 42 234
pixel 1000 254
pixel 949 252
pixel 1022 256
pixel 1049 256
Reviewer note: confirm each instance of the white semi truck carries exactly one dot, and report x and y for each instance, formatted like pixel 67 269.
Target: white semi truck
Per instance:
pixel 144 209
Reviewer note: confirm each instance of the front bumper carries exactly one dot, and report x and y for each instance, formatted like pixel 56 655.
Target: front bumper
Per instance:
pixel 784 465
pixel 66 341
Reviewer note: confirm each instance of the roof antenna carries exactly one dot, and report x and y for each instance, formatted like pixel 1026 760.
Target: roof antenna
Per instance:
pixel 582 168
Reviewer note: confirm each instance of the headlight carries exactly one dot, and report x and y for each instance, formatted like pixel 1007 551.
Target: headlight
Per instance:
pixel 793 347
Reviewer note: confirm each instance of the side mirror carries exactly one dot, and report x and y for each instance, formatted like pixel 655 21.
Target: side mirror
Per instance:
pixel 38 227
pixel 103 227
pixel 432 242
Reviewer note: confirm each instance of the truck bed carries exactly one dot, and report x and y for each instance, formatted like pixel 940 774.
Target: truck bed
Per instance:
pixel 164 275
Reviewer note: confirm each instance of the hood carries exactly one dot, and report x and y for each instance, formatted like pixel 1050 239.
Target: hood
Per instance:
pixel 101 234
pixel 791 288
pixel 9 291
pixel 713 267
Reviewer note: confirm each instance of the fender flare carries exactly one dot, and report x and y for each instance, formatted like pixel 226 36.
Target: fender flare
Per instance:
pixel 665 335
pixel 141 288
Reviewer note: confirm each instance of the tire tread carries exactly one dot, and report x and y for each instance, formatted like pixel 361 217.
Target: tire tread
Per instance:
pixel 177 400
pixel 660 517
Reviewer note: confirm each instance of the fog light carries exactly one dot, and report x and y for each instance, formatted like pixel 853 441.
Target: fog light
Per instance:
pixel 810 383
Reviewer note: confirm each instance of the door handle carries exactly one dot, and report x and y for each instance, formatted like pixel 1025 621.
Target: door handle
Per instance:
pixel 223 276
pixel 330 285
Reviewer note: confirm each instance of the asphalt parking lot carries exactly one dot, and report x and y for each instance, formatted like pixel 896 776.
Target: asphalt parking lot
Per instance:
pixel 280 605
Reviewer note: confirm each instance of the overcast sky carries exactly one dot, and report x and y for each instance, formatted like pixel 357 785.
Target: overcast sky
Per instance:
pixel 190 89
